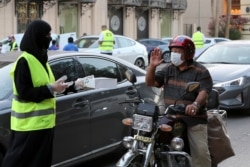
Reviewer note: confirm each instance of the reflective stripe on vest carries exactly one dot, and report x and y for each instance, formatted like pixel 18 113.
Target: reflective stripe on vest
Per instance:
pixel 32 114
pixel 108 41
pixel 198 40
pixel 28 115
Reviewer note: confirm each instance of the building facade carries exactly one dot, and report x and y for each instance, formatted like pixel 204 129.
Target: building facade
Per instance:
pixel 199 13
pixel 134 18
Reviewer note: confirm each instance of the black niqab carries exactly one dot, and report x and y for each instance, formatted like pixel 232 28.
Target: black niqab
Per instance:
pixel 36 40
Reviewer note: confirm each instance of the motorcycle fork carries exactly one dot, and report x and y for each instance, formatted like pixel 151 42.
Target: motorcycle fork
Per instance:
pixel 149 153
pixel 150 149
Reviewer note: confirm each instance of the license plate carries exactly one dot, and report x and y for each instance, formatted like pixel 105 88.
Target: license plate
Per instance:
pixel 143 139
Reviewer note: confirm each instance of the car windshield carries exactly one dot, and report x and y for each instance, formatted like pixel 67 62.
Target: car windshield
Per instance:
pixel 6 82
pixel 87 43
pixel 226 54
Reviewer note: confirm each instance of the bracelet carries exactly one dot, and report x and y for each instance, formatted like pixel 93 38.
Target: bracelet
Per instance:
pixel 196 104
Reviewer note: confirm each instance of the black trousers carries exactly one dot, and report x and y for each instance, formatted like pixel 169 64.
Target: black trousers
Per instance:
pixel 29 149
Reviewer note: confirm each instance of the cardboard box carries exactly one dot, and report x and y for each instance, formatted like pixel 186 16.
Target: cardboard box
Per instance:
pixel 100 82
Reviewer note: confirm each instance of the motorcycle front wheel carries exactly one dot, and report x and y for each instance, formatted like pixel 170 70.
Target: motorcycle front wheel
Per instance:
pixel 137 162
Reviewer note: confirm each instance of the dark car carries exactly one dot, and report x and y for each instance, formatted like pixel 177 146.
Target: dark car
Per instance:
pixel 89 121
pixel 151 43
pixel 229 64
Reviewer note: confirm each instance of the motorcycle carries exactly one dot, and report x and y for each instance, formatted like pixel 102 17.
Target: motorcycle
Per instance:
pixel 153 143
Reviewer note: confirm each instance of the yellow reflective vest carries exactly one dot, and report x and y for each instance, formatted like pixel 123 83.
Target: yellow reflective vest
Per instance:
pixel 13 46
pixel 27 115
pixel 108 41
pixel 198 39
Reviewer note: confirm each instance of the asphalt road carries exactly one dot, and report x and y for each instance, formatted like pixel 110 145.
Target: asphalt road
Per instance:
pixel 238 127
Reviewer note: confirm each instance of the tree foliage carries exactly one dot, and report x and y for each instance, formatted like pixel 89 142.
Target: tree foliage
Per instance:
pixel 236 23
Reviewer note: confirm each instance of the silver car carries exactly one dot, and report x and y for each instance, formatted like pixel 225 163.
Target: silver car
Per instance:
pixel 88 121
pixel 229 65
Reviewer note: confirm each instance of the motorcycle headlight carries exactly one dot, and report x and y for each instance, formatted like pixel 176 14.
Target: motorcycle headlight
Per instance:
pixel 143 123
pixel 177 144
pixel 128 141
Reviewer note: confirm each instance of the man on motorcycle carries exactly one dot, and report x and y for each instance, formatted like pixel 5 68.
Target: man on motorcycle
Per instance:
pixel 173 79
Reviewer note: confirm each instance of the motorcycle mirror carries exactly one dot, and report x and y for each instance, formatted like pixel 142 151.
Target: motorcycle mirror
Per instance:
pixel 192 87
pixel 130 76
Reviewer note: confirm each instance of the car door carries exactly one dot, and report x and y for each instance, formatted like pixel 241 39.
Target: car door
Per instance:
pixel 124 49
pixel 106 112
pixel 72 131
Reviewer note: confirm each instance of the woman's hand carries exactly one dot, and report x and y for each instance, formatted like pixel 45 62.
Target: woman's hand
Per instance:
pixel 59 86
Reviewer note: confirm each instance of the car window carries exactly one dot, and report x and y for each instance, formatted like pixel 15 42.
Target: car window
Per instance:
pixel 124 42
pixel 67 66
pixel 87 43
pixel 226 54
pixel 207 41
pixel 212 54
pixel 102 68
pixel 144 42
pixel 154 43
pixel 219 40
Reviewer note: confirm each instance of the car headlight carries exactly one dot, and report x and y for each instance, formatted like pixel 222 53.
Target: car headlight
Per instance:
pixel 235 82
pixel 177 144
pixel 143 123
pixel 128 141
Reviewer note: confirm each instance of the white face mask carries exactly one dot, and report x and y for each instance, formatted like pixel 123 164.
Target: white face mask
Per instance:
pixel 176 58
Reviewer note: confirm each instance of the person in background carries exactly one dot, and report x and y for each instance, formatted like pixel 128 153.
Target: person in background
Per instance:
pixel 106 41
pixel 53 46
pixel 33 115
pixel 70 46
pixel 173 78
pixel 198 38
pixel 12 43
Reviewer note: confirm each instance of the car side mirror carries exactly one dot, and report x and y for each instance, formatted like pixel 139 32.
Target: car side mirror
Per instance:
pixel 130 76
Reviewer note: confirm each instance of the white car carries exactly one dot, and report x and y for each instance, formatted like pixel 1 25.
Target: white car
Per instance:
pixel 209 42
pixel 213 40
pixel 61 39
pixel 124 48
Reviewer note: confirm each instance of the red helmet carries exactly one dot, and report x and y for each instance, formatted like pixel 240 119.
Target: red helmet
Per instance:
pixel 185 42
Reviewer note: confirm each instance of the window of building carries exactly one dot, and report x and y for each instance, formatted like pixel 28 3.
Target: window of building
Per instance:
pixel 68 15
pixel 235 8
pixel 26 12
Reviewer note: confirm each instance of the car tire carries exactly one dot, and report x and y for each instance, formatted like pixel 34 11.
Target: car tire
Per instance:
pixel 140 63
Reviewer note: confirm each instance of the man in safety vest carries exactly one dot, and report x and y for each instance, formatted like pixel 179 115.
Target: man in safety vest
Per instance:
pixel 198 38
pixel 106 41
pixel 12 43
